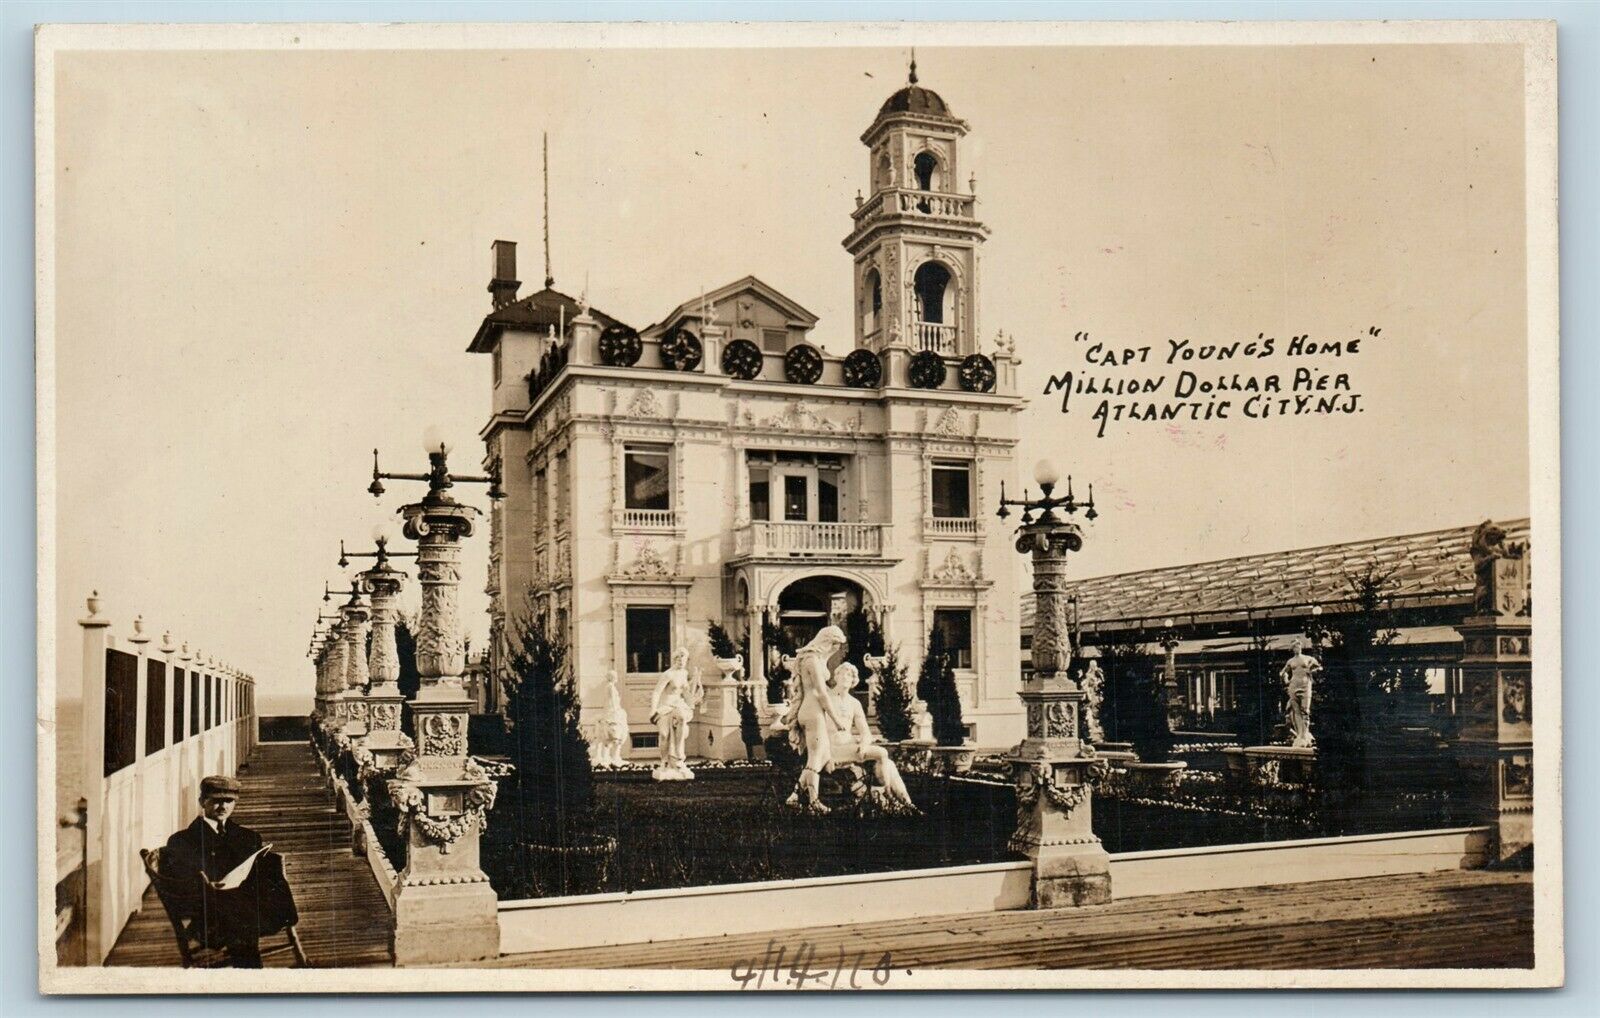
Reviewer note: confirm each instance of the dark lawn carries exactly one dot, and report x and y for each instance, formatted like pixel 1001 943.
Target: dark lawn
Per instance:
pixel 731 826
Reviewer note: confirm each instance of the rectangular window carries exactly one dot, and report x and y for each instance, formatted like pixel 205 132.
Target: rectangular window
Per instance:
pixel 647 477
pixel 649 639
pixel 194 703
pixel 496 358
pixel 775 340
pixel 155 709
pixel 122 710
pixel 760 494
pixel 955 624
pixel 829 482
pixel 179 686
pixel 539 498
pixel 210 705
pixel 645 740
pixel 952 489
pixel 216 718
pixel 794 497
pixel 562 488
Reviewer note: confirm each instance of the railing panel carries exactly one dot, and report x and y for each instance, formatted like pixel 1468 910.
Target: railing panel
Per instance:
pixel 796 538
pixel 935 336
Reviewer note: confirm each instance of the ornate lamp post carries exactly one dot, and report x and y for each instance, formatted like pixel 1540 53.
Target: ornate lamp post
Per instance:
pixel 385 741
pixel 351 682
pixel 1316 631
pixel 445 910
pixel 330 674
pixel 1053 767
pixel 1171 694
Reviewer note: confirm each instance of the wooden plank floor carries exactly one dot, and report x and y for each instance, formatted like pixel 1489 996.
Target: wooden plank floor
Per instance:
pixel 344 920
pixel 1450 919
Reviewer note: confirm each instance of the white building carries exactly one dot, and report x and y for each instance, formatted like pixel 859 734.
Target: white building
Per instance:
pixel 718 466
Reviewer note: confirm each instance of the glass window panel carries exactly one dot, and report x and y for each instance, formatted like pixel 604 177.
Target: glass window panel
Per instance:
pixel 955 625
pixel 646 478
pixel 828 498
pixel 179 687
pixel 952 491
pixel 794 497
pixel 155 709
pixel 648 639
pixel 122 710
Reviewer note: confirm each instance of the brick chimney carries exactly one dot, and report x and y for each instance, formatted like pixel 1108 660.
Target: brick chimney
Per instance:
pixel 503 287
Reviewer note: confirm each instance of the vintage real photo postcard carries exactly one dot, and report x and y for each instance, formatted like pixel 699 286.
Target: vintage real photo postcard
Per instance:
pixel 826 507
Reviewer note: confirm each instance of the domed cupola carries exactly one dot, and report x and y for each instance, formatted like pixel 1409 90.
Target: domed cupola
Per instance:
pixel 916 235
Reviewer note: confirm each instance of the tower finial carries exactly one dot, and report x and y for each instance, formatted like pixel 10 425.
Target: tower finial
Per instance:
pixel 913 65
pixel 549 279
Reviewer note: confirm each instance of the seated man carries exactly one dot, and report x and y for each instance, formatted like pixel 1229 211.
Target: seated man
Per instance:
pixel 199 858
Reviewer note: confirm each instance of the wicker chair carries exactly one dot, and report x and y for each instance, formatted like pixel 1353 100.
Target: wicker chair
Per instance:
pixel 191 943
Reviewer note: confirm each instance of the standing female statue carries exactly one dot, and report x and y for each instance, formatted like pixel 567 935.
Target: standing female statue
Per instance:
pixel 1297 674
pixel 811 718
pixel 671 709
pixel 853 744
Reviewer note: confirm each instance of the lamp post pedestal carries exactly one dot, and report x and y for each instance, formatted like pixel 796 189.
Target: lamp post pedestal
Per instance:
pixel 1053 768
pixel 385 740
pixel 355 676
pixel 445 910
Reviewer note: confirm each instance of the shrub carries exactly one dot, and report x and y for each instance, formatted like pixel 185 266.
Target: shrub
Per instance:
pixel 894 700
pixel 937 686
pixel 1131 710
pixel 552 787
pixel 749 722
pixel 776 640
pixel 721 643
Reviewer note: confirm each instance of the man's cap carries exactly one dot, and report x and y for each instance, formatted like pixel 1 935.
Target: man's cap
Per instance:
pixel 219 784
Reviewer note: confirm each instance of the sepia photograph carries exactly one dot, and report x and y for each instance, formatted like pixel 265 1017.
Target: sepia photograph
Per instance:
pixel 794 507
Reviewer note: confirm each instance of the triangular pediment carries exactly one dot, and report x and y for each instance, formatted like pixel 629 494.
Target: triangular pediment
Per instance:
pixel 744 300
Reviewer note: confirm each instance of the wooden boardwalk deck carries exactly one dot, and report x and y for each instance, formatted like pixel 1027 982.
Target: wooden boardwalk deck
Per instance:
pixel 344 920
pixel 1449 919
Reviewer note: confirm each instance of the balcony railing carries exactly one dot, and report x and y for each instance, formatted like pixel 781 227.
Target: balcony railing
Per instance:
pixel 645 519
pixel 949 526
pixel 939 338
pixel 928 203
pixel 802 539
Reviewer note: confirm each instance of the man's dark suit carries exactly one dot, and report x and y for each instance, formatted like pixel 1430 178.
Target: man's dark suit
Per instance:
pixel 234 919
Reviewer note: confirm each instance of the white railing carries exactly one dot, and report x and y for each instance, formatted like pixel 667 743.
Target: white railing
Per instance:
pixel 939 338
pixel 644 519
pixel 761 538
pixel 942 526
pixel 140 770
pixel 928 203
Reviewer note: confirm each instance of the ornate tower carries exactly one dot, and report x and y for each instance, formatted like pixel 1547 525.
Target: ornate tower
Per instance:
pixel 916 237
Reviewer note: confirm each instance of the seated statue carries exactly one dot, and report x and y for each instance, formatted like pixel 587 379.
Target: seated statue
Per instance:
pixel 853 743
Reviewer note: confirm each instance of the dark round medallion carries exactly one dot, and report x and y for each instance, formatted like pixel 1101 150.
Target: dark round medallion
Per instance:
pixel 741 359
pixel 927 370
pixel 680 350
pixel 620 346
pixel 862 369
pixel 803 364
pixel 977 373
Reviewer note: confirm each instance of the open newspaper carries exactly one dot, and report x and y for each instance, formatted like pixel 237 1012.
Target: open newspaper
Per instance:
pixel 236 877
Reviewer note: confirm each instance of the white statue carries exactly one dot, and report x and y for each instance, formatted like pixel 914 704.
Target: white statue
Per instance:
pixel 1297 674
pixel 852 743
pixel 611 733
pixel 1093 682
pixel 672 707
pixel 811 717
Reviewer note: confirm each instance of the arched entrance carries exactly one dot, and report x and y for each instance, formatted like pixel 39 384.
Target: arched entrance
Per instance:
pixel 808 604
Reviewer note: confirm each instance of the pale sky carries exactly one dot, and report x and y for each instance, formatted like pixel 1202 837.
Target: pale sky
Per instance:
pixel 269 262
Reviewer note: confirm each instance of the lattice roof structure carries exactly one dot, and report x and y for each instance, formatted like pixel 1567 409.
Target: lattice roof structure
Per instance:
pixel 1432 569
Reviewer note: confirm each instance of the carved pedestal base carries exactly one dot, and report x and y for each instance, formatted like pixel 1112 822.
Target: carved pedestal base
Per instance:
pixel 445 911
pixel 1496 742
pixel 384 739
pixel 714 733
pixel 1070 865
pixel 355 716
pixel 1053 770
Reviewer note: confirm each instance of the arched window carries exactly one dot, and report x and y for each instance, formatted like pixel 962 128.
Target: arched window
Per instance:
pixel 927 165
pixel 884 177
pixel 872 302
pixel 935 296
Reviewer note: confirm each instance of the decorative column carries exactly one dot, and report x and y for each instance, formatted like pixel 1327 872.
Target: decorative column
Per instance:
pixel 1172 699
pixel 334 669
pixel 1496 735
pixel 444 909
pixel 355 667
pixel 1054 768
pixel 385 741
